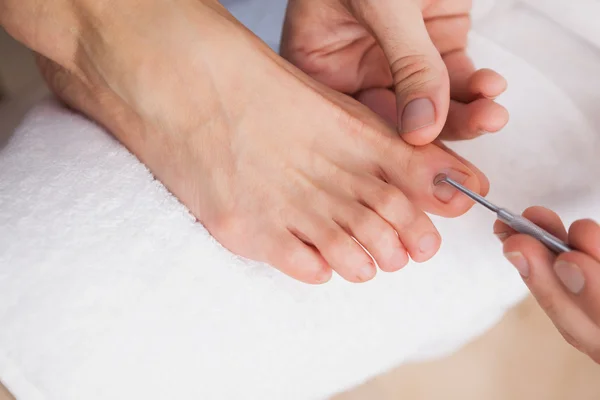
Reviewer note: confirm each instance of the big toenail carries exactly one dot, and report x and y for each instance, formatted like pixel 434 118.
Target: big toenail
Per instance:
pixel 429 243
pixel 417 114
pixel 444 192
pixel 366 273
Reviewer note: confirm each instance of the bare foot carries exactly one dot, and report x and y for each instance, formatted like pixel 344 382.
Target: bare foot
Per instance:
pixel 278 167
pixel 404 59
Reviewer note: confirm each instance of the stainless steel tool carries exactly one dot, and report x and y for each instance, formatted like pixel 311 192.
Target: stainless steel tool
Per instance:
pixel 515 221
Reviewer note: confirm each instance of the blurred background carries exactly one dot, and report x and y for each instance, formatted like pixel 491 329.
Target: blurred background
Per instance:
pixel 18 73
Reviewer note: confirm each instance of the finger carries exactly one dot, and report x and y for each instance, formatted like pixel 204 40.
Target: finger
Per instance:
pixel 419 75
pixel 534 262
pixel 467 84
pixel 447 8
pixel 580 276
pixel 543 217
pixel 468 121
pixel 382 102
pixel 584 235
pixel 487 83
pixel 449 33
pixel 460 69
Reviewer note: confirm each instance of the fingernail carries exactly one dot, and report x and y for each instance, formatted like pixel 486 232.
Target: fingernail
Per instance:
pixel 444 192
pixel 519 262
pixel 417 114
pixel 399 258
pixel 429 243
pixel 570 275
pixel 366 273
pixel 501 235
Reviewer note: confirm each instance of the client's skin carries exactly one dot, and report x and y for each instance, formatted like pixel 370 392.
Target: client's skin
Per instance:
pixel 280 166
pixel 567 287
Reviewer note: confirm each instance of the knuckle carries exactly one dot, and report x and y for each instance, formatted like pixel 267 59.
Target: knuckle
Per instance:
pixel 412 72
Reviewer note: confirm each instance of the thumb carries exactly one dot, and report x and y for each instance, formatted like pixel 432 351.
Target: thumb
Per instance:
pixel 419 74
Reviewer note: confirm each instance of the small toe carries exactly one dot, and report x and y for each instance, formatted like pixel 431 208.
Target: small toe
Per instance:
pixel 297 259
pixel 344 254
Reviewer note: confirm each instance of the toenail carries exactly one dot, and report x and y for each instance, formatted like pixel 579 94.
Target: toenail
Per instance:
pixel 324 276
pixel 519 261
pixel 417 114
pixel 399 258
pixel 366 273
pixel 429 243
pixel 444 192
pixel 570 275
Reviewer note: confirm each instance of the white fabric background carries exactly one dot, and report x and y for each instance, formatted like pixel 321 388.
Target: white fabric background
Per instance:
pixel 110 290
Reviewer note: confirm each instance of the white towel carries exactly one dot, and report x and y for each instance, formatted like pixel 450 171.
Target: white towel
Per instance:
pixel 578 16
pixel 110 290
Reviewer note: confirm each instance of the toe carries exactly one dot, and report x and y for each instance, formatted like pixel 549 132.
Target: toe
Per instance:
pixel 293 257
pixel 484 182
pixel 413 170
pixel 467 121
pixel 414 228
pixel 344 254
pixel 375 234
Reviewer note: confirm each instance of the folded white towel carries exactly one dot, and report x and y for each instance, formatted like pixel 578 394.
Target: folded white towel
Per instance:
pixel 109 289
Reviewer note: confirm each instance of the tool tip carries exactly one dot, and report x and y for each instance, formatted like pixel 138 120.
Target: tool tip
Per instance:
pixel 440 178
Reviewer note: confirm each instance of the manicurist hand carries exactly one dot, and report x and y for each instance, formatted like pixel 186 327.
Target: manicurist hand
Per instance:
pixel 405 59
pixel 567 287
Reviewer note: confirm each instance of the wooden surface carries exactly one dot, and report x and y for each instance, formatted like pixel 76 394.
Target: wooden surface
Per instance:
pixel 522 358
pixel 4 395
